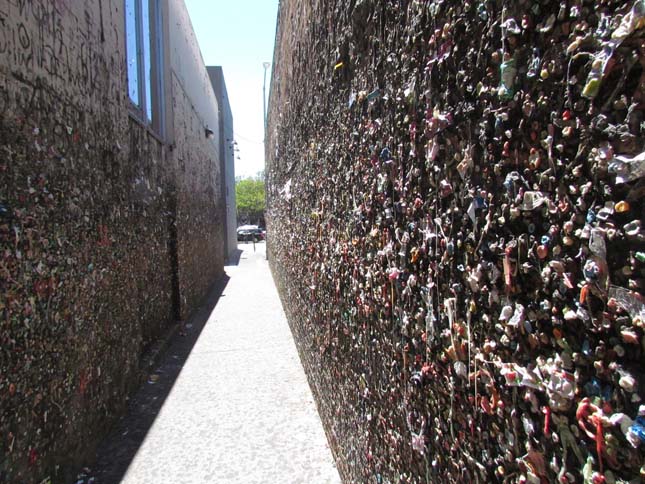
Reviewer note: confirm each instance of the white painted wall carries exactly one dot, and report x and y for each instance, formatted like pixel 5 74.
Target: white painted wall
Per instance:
pixel 188 68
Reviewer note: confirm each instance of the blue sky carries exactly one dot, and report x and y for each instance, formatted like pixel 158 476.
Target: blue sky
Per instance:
pixel 239 36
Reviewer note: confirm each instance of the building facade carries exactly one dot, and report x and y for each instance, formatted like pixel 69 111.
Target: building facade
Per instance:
pixel 227 149
pixel 111 220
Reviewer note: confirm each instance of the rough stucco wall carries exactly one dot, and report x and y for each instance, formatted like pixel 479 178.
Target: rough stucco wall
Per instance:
pixel 82 294
pixel 438 218
pixel 200 220
pixel 200 237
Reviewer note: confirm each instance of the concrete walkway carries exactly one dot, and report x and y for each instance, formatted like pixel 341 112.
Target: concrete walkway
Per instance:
pixel 239 409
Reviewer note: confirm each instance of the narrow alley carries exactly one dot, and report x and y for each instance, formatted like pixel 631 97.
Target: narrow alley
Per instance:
pixel 454 197
pixel 239 410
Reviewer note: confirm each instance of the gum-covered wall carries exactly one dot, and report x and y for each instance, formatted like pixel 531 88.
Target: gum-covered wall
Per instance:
pixel 455 227
pixel 108 231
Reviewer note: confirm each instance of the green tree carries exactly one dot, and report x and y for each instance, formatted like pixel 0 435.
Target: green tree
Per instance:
pixel 249 196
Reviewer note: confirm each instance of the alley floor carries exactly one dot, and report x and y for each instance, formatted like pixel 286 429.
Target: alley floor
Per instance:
pixel 229 403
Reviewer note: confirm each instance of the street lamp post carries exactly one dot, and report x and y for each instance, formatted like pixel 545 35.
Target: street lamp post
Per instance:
pixel 264 139
pixel 264 96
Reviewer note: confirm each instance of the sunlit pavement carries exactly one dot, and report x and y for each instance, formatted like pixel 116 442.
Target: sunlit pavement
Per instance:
pixel 240 410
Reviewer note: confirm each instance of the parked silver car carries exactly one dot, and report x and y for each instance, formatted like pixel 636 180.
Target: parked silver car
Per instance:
pixel 247 233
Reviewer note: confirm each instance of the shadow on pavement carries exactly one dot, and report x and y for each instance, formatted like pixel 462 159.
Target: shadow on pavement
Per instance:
pixel 118 449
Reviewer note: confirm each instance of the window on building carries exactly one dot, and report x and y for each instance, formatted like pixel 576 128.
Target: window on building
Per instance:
pixel 143 36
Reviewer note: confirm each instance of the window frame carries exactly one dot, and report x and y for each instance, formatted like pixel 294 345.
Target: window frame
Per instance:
pixel 152 85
